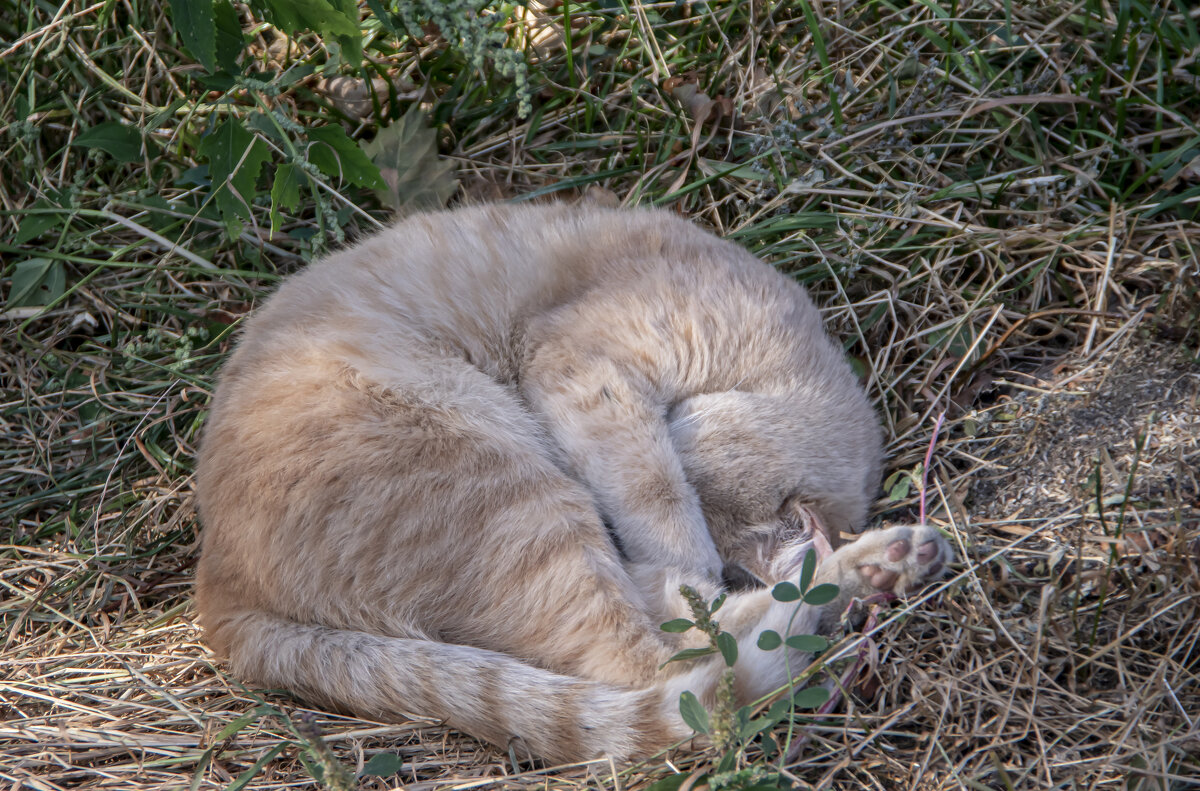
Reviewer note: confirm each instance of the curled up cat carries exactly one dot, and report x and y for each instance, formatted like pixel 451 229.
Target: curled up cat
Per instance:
pixel 462 468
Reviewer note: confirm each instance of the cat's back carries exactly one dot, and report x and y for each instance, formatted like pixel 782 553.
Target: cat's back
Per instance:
pixel 474 284
pixel 462 277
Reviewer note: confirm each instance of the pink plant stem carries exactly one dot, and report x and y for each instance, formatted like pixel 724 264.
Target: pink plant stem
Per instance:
pixel 937 427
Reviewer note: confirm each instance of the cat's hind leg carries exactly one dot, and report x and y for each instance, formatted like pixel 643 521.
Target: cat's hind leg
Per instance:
pixel 896 560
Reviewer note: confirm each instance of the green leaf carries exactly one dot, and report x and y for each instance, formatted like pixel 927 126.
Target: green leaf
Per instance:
pixel 229 38
pixel 248 775
pixel 717 602
pixel 337 155
pixel 754 727
pixel 769 640
pixel 34 225
pixel 670 782
pixel 688 653
pixel 416 177
pixel 285 192
pixel 822 594
pixel 779 709
pixel 36 282
pixel 958 343
pixel 382 765
pixel 809 643
pixel 693 713
pixel 807 569
pixel 728 646
pixel 785 591
pixel 726 763
pixel 195 24
pixel 385 18
pixel 337 20
pixel 770 747
pixel 811 697
pixel 677 625
pixel 898 485
pixel 235 158
pixel 122 141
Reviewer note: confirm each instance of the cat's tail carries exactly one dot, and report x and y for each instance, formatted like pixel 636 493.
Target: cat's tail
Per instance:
pixel 486 694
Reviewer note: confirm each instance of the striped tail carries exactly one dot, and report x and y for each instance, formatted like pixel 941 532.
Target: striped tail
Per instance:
pixel 489 695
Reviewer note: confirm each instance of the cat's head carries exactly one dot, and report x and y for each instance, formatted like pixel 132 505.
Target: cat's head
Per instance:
pixel 772 469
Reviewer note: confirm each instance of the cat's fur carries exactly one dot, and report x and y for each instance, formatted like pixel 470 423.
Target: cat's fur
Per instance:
pixel 412 456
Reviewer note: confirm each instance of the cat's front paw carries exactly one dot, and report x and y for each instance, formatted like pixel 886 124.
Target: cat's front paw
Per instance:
pixel 897 560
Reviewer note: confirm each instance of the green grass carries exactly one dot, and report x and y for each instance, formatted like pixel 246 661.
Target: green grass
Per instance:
pixel 970 188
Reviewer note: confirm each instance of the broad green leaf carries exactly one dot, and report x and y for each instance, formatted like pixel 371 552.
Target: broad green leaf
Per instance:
pixel 670 782
pixel 677 625
pixel 717 602
pixel 285 192
pixel 337 20
pixel 809 643
pixel 898 485
pixel 385 18
pixel 382 765
pixel 338 156
pixel 727 762
pixel 693 712
pixel 686 654
pixel 807 569
pixel 415 177
pixel 34 225
pixel 785 591
pixel 122 141
pixel 811 697
pixel 779 709
pixel 36 282
pixel 769 640
pixel 194 21
pixel 822 594
pixel 229 39
pixel 235 158
pixel 754 727
pixel 728 646
pixel 958 343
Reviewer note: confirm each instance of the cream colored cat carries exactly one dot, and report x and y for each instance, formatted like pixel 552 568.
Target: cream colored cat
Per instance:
pixel 413 454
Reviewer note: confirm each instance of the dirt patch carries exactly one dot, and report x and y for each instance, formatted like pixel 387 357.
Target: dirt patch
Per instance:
pixel 1115 436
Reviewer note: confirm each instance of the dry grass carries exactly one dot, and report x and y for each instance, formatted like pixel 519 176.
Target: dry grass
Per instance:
pixel 996 203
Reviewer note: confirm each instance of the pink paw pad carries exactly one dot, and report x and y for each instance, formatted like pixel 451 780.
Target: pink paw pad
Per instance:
pixel 898 550
pixel 901 568
pixel 881 579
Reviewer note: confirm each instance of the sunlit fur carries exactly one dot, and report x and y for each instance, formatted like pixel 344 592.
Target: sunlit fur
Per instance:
pixel 416 455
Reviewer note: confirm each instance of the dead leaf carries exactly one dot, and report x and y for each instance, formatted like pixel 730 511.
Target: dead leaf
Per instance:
pixel 407 157
pixel 686 90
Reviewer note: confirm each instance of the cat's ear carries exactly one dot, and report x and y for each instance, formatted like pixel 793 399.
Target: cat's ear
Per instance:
pixel 778 554
pixel 803 516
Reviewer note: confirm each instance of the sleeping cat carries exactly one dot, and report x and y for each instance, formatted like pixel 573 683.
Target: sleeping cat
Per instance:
pixel 462 469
